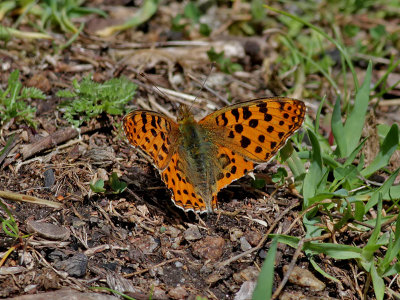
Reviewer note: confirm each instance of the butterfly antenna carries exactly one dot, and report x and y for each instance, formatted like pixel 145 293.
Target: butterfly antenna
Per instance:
pixel 202 85
pixel 156 87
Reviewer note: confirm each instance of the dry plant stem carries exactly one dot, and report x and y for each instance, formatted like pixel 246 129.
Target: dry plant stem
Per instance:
pixel 290 269
pixel 54 139
pixel 293 262
pixel 30 199
pixel 13 139
pixel 261 243
pixel 156 266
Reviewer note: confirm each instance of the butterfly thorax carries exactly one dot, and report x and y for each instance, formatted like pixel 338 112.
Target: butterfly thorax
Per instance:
pixel 198 153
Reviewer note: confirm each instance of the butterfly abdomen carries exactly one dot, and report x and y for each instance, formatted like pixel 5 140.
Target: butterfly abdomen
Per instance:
pixel 199 152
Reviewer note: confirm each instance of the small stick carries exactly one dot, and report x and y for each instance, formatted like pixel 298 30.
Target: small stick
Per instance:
pixel 30 199
pixel 54 139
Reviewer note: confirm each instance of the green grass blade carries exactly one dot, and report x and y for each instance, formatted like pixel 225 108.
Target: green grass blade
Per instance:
pixel 356 119
pixel 384 189
pixel 318 116
pixel 338 129
pixel 378 283
pixel 322 272
pixel 336 251
pixel 393 250
pixel 265 280
pixel 314 174
pixel 389 146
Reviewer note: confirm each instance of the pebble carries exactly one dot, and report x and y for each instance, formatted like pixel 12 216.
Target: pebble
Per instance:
pixel 178 293
pixel 48 230
pixel 192 233
pixel 74 266
pixel 246 291
pixel 235 234
pixel 304 278
pixel 253 237
pixel 173 232
pixel 244 244
pixel 209 248
pixel 147 244
pixel 248 274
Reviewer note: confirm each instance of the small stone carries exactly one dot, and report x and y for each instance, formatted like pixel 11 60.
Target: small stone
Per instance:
pixel 235 234
pixel 246 291
pixel 192 233
pixel 102 156
pixel 147 244
pixel 48 230
pixel 305 278
pixel 159 293
pixel 248 274
pixel 244 244
pixel 173 231
pixel 178 293
pixel 178 264
pixel 102 174
pixel 209 248
pixel 253 237
pixel 74 266
pixel 49 178
pixel 213 278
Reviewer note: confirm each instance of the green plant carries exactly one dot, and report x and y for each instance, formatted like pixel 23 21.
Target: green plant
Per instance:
pixel 117 186
pixel 90 99
pixel 12 101
pixel 190 19
pixel 336 184
pixel 265 281
pixel 223 63
pixel 10 228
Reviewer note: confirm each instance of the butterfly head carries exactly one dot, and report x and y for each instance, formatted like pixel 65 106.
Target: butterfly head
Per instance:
pixel 184 115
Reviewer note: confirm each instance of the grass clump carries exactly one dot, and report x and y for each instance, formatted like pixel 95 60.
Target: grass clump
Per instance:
pixel 89 99
pixel 13 101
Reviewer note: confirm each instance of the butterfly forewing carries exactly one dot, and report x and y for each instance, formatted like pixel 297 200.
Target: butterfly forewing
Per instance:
pixel 256 129
pixel 154 133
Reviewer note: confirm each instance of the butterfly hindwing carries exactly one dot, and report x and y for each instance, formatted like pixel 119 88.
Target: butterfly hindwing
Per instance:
pixel 152 132
pixel 231 167
pixel 183 192
pixel 256 129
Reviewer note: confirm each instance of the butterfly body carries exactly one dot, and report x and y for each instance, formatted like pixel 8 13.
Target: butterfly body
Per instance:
pixel 196 159
pixel 197 150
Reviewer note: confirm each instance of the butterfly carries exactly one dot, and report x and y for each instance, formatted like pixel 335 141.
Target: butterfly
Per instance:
pixel 196 159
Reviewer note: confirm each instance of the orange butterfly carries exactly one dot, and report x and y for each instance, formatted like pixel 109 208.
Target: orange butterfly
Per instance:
pixel 197 159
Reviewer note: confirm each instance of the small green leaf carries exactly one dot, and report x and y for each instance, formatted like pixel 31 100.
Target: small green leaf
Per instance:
pixel 192 12
pixel 117 185
pixel 98 187
pixel 378 283
pixel 356 119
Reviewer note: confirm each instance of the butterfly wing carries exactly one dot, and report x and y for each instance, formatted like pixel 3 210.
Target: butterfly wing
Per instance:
pixel 183 191
pixel 154 133
pixel 256 129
